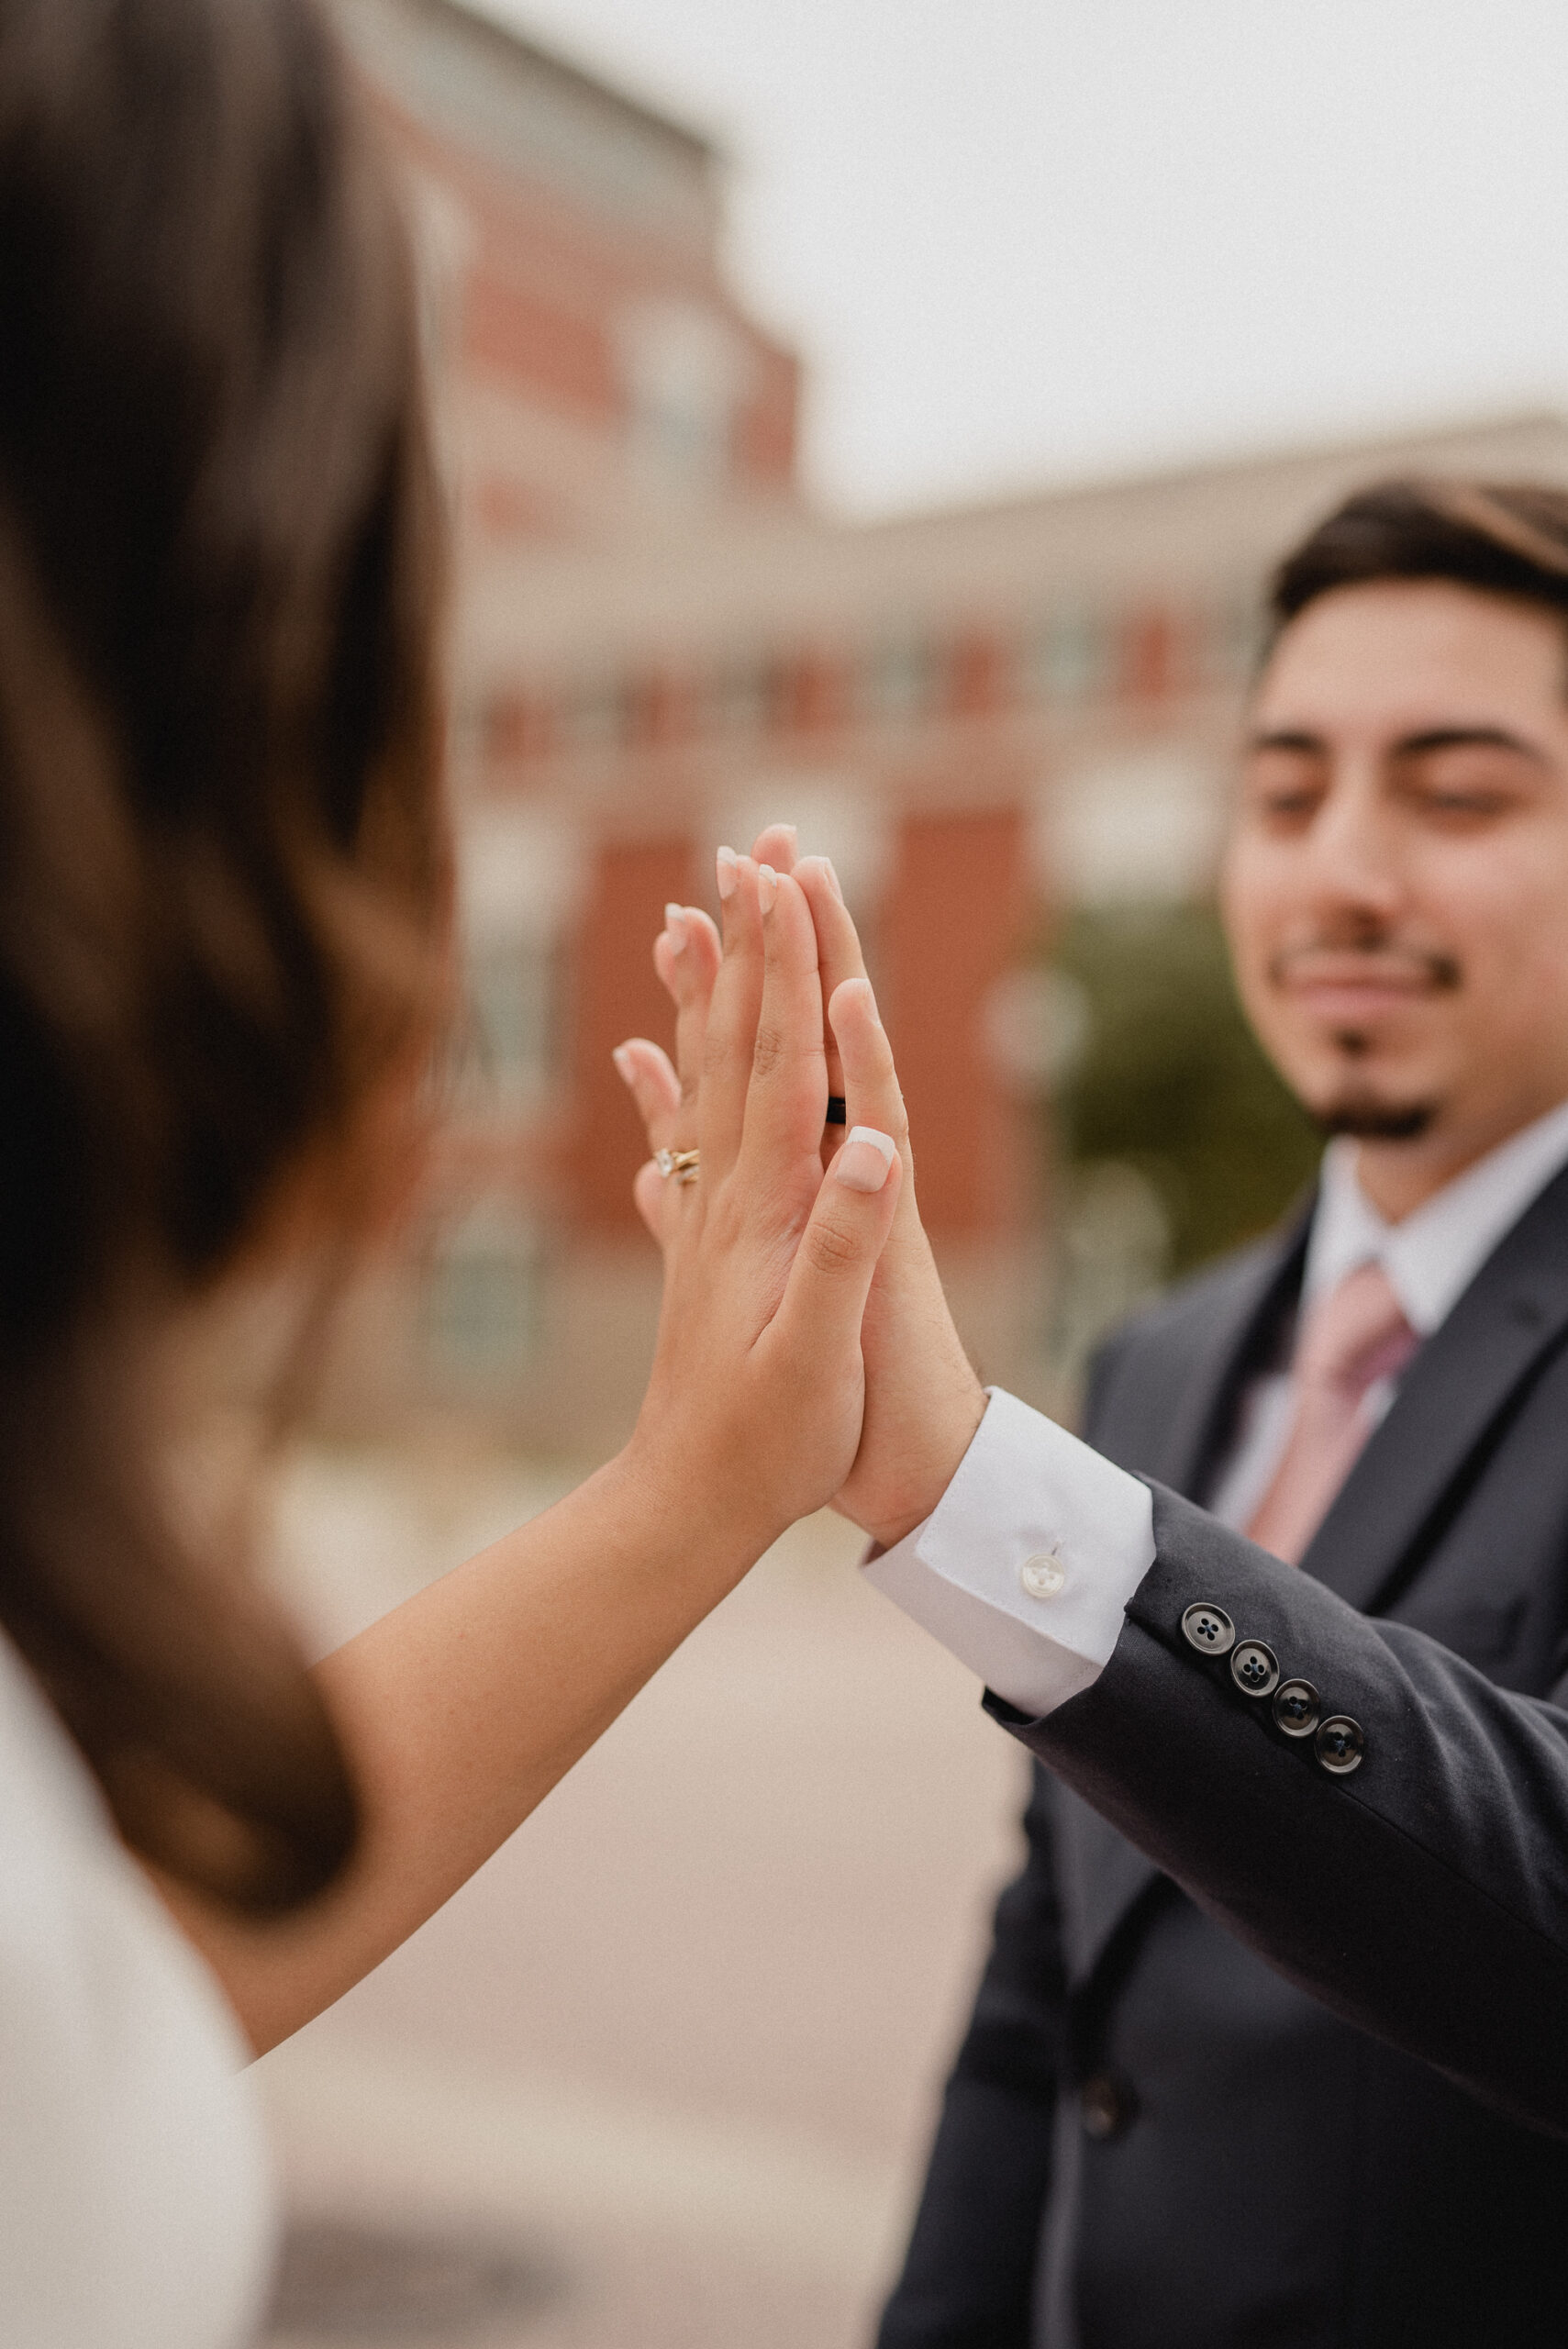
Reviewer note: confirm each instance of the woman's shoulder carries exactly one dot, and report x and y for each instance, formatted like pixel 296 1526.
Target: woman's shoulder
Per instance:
pixel 119 2092
pixel 51 1809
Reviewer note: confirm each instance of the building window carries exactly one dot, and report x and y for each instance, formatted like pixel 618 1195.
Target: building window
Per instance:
pixel 899 680
pixel 519 874
pixel 483 1297
pixel 741 699
pixel 1067 659
pixel 686 371
pixel 1139 828
pixel 1237 632
pixel 512 989
pixel 594 716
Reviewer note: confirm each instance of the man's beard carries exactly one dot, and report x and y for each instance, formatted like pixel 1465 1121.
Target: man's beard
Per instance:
pixel 1369 1116
pixel 1366 1118
pixel 1358 1110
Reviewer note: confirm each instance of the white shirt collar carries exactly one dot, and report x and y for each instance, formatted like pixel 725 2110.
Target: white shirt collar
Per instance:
pixel 1433 1255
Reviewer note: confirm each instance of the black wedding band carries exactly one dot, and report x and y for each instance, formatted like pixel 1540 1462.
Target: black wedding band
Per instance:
pixel 836 1113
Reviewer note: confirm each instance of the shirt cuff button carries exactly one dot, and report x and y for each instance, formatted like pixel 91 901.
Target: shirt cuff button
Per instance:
pixel 1043 1575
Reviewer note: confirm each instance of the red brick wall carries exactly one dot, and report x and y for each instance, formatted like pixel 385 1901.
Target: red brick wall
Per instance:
pixel 950 924
pixel 614 995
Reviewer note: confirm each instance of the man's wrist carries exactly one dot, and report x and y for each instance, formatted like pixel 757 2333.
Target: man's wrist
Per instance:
pixel 941 1459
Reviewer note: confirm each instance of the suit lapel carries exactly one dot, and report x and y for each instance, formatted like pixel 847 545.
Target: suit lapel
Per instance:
pixel 1238 1339
pixel 1106 1873
pixel 1378 1531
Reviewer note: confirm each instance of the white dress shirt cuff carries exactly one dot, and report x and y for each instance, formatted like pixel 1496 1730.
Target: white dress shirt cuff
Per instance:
pixel 1024 1568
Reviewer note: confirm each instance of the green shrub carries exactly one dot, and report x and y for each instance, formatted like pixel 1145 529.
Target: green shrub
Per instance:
pixel 1170 1080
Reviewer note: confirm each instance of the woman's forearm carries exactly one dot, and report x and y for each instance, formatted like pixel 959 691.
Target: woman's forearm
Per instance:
pixel 460 1710
pixel 463 1706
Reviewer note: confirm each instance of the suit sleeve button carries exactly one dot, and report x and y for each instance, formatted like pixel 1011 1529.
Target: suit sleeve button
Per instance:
pixel 1107 2107
pixel 1209 1629
pixel 1256 1669
pixel 1341 1743
pixel 1297 1708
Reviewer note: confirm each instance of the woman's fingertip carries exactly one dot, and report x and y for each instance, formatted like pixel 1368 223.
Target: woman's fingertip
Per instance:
pixel 859 990
pixel 624 1068
pixel 727 868
pixel 866 1158
pixel 675 925
pixel 702 928
pixel 767 889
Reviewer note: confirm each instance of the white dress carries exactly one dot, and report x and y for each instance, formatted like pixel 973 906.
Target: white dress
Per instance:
pixel 135 2203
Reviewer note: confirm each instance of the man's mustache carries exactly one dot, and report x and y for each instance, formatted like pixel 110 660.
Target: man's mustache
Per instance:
pixel 1349 962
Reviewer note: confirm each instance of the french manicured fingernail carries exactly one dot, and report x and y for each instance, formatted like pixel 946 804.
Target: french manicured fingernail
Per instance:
pixel 622 1059
pixel 729 865
pixel 675 923
pixel 862 1163
pixel 767 886
pixel 824 866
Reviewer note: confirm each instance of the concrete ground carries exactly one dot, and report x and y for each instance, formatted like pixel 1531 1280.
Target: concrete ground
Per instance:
pixel 662 2075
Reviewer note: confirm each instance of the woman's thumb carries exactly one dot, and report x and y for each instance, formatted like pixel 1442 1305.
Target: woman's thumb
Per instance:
pixel 831 1275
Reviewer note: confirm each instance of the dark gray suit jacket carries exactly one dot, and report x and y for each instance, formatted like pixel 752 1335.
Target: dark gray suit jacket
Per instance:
pixel 1195 2108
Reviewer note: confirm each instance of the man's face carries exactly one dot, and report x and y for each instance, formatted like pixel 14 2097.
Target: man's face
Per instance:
pixel 1396 887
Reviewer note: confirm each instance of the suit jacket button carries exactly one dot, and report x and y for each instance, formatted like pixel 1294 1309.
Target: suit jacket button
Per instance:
pixel 1256 1669
pixel 1107 2107
pixel 1297 1708
pixel 1341 1743
pixel 1209 1629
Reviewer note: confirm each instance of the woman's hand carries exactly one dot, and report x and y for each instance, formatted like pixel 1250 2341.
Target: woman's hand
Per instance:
pixel 755 1405
pixel 923 1401
pixel 465 1705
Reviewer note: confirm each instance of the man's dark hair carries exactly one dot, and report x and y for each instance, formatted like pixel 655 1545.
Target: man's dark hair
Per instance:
pixel 1505 538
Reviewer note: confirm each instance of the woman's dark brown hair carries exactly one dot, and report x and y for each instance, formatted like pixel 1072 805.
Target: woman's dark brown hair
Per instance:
pixel 1503 538
pixel 222 867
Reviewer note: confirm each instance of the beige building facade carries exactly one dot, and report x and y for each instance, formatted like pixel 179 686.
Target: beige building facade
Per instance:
pixel 982 714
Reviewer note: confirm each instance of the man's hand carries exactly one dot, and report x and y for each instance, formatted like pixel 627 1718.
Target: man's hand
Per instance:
pixel 923 1401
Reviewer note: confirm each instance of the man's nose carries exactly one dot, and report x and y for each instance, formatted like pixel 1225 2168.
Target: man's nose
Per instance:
pixel 1350 851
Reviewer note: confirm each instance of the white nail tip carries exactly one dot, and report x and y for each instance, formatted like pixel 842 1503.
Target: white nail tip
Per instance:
pixel 866 1159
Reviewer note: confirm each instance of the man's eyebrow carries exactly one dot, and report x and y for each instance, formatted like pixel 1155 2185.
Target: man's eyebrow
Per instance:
pixel 1287 738
pixel 1465 737
pixel 1408 746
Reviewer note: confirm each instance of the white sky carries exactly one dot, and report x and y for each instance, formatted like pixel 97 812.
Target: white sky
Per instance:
pixel 1019 240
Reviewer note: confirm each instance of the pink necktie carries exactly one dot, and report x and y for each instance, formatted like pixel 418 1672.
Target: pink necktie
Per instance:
pixel 1351 1338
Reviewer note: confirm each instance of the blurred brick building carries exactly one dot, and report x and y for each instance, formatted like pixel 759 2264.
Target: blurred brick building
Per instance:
pixel 658 645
